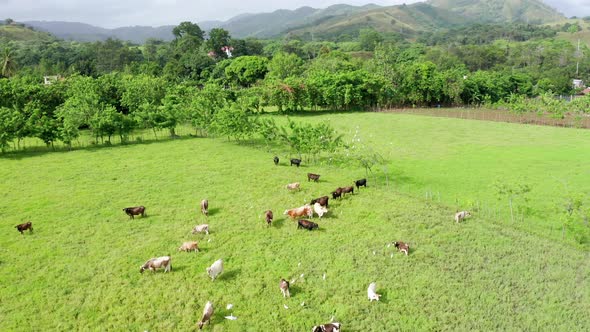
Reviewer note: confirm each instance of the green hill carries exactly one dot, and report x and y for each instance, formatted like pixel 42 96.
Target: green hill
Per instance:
pixel 404 19
pixel 18 32
pixel 528 11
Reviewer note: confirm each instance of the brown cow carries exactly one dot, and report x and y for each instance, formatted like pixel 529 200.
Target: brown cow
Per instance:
pixel 402 247
pixel 207 313
pixel 134 211
pixel 322 200
pixel 23 227
pixel 189 246
pixel 311 176
pixel 205 207
pixel 309 225
pixel 347 190
pixel 301 211
pixel 284 286
pixel 268 216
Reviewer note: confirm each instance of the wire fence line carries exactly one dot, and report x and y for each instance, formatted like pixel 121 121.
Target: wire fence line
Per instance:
pixel 569 120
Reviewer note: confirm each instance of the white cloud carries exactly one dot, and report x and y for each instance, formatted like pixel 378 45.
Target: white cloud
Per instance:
pixel 115 13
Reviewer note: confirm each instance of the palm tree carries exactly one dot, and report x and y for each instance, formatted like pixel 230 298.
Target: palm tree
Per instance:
pixel 7 64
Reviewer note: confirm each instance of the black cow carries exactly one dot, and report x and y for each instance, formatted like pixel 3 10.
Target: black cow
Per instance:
pixel 309 225
pixel 337 193
pixel 23 227
pixel 330 327
pixel 322 200
pixel 295 162
pixel 134 211
pixel 361 182
pixel 276 160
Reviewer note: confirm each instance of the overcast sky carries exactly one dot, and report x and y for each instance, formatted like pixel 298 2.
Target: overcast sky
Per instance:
pixel 116 13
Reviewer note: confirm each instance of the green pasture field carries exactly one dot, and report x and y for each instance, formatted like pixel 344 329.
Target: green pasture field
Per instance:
pixel 79 269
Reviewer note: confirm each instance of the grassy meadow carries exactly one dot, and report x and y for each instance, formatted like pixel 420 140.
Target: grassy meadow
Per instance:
pixel 79 270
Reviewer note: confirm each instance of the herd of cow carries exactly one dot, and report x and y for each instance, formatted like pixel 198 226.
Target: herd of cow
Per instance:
pixel 318 206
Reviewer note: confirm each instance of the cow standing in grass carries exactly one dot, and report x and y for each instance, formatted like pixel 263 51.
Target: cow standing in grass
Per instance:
pixel 361 182
pixel 284 286
pixel 156 263
pixel 134 211
pixel 268 217
pixel 459 216
pixel 24 226
pixel 205 207
pixel 207 314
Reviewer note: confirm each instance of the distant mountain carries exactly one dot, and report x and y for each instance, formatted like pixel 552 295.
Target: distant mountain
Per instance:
pixel 266 25
pixel 527 11
pixel 20 32
pixel 89 33
pixel 407 20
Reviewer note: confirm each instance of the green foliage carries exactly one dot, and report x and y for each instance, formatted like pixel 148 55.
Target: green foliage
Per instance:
pixel 232 121
pixel 305 139
pixel 369 38
pixel 218 38
pixel 246 70
pixel 513 192
pixel 204 104
pixel 283 65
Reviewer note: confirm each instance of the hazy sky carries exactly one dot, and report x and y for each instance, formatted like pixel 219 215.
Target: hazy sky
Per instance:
pixel 116 13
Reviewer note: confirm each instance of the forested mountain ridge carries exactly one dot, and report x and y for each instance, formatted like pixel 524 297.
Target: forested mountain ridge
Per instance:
pixel 526 11
pixel 407 20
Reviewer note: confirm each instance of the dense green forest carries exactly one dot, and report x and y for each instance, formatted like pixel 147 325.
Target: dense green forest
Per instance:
pixel 214 82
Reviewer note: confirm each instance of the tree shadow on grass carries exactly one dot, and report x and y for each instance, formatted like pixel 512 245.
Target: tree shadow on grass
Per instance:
pixel 36 151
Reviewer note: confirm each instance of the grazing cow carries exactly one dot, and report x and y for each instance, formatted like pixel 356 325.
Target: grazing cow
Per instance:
pixel 330 327
pixel 361 182
pixel 189 246
pixel 309 225
pixel 459 216
pixel 347 190
pixel 284 286
pixel 300 212
pixel 268 216
pixel 276 160
pixel 215 269
pixel 23 227
pixel 319 210
pixel 337 193
pixel 311 176
pixel 205 207
pixel 402 247
pixel 207 313
pixel 156 263
pixel 295 162
pixel 372 292
pixel 134 211
pixel 322 200
pixel 201 228
pixel 293 186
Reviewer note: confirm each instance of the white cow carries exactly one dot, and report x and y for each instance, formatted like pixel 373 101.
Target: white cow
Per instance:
pixel 156 263
pixel 372 292
pixel 459 216
pixel 320 210
pixel 215 269
pixel 201 228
